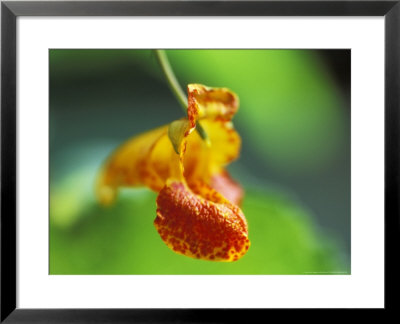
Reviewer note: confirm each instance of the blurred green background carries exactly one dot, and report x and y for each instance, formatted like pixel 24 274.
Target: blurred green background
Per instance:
pixel 294 119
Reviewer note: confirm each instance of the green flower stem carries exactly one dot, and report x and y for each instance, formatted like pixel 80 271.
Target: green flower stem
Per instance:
pixel 176 88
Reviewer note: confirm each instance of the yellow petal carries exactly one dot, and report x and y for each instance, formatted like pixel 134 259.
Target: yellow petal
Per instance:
pixel 145 160
pixel 200 161
pixel 211 103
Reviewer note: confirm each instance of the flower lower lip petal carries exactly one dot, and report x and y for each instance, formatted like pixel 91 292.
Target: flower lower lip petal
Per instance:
pixel 200 228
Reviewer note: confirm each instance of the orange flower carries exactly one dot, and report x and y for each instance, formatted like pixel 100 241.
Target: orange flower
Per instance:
pixel 197 204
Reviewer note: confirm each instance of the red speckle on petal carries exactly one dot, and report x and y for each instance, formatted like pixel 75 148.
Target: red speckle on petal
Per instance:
pixel 209 228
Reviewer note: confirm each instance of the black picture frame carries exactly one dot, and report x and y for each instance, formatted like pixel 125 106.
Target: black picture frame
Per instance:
pixel 10 10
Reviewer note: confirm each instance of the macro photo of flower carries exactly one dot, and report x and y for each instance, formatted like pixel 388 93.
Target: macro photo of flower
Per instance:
pixel 193 218
pixel 199 161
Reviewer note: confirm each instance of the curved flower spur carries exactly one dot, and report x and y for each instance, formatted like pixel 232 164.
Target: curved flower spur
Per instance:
pixel 198 213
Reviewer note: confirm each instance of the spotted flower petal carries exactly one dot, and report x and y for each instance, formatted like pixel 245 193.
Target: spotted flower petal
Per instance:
pixel 201 226
pixel 146 160
pixel 211 103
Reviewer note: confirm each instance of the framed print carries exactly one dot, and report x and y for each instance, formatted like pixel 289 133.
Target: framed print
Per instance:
pixel 163 159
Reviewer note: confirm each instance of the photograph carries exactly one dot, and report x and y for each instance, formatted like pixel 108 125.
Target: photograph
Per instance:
pixel 199 161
